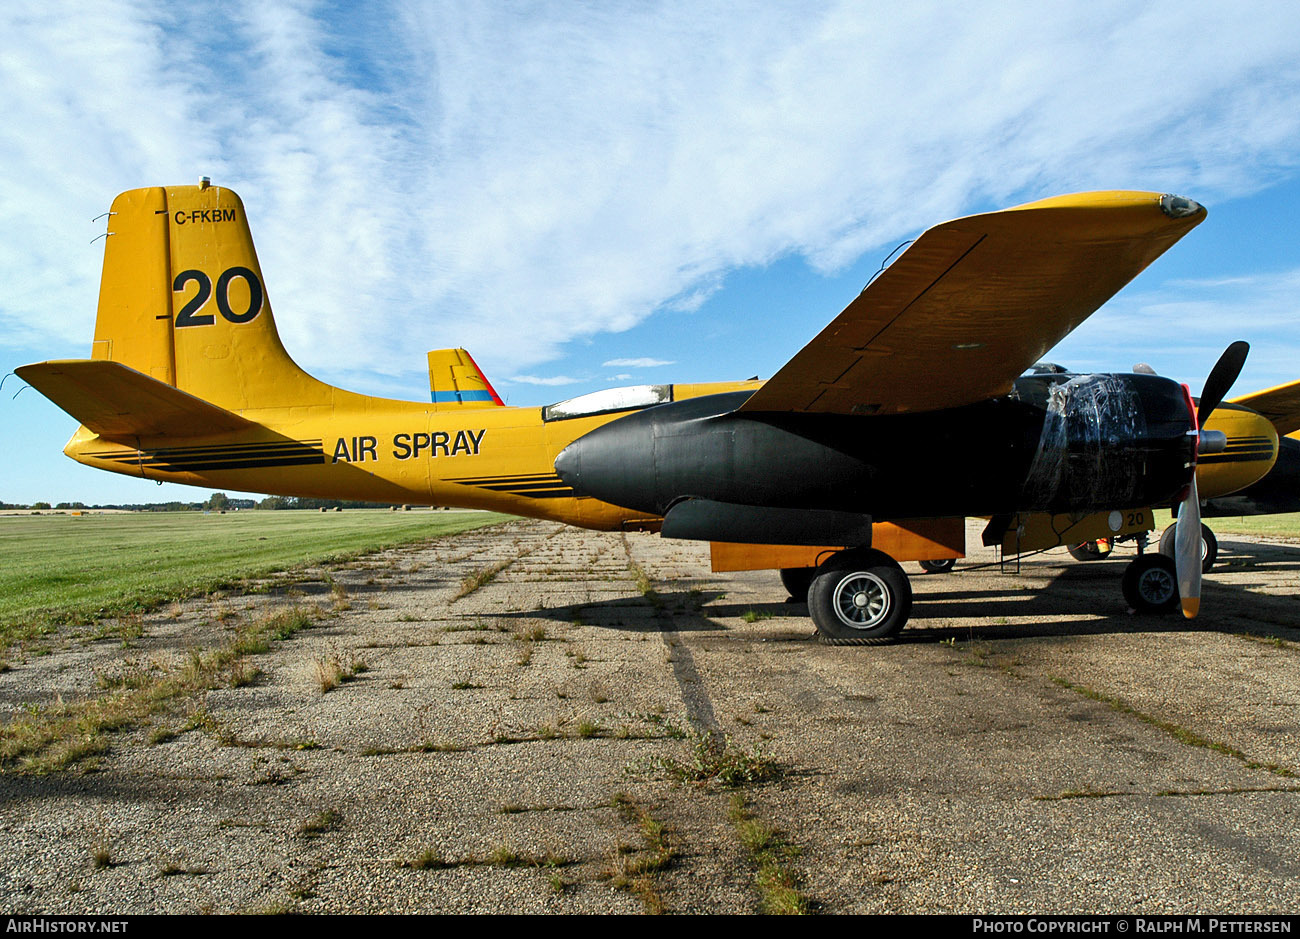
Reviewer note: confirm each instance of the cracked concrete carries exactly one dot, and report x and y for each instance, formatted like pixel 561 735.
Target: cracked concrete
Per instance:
pixel 1027 746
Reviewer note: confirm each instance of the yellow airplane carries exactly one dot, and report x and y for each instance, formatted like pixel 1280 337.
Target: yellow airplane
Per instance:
pixel 909 408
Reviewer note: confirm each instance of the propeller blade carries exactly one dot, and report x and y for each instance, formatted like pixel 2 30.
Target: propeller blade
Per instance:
pixel 1187 533
pixel 1187 551
pixel 1222 376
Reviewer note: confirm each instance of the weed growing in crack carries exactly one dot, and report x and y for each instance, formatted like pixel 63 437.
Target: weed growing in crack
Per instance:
pixel 721 762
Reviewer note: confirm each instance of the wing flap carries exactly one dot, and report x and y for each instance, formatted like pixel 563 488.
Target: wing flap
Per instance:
pixel 1281 405
pixel 121 404
pixel 976 301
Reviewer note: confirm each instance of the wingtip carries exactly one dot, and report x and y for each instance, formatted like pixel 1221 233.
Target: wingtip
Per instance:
pixel 1180 206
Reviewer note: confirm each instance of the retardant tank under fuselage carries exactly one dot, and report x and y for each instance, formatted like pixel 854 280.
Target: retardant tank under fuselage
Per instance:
pixel 1059 443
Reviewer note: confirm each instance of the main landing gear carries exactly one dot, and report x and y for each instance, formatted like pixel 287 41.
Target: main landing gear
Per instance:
pixel 1209 546
pixel 797 580
pixel 861 596
pixel 1150 584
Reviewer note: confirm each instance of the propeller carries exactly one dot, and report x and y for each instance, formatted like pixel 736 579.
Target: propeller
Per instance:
pixel 1221 378
pixel 1187 532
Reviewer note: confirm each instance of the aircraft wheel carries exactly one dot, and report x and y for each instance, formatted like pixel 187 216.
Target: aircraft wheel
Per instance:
pixel 1209 546
pixel 1150 584
pixel 859 598
pixel 797 580
pixel 1092 550
pixel 942 566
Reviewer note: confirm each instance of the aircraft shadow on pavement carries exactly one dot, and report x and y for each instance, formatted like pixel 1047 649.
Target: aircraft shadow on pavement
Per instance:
pixel 1261 557
pixel 1093 588
pixel 1070 598
pixel 666 611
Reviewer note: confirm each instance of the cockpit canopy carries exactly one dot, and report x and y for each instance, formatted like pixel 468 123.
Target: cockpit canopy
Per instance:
pixel 607 401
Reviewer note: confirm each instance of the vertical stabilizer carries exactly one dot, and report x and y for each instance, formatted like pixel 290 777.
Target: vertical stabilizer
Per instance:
pixel 455 380
pixel 183 300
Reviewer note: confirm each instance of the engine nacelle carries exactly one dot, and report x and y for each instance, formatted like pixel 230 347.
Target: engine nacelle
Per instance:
pixel 1059 443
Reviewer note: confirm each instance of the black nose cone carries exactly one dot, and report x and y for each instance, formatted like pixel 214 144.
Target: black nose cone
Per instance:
pixel 613 463
pixel 566 467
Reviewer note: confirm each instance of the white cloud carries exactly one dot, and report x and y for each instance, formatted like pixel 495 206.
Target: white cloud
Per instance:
pixel 513 177
pixel 551 380
pixel 1197 320
pixel 637 363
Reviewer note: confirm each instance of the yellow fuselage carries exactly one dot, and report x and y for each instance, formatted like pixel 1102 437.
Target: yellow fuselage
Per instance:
pixel 383 450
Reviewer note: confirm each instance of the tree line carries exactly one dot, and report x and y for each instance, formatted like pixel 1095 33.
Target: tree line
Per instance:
pixel 217 502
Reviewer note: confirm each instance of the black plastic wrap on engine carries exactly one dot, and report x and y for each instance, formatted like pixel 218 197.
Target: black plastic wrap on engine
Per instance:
pixel 1086 452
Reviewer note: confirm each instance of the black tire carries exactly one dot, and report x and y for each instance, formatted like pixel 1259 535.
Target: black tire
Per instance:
pixel 942 566
pixel 1090 551
pixel 1209 546
pixel 859 598
pixel 1151 584
pixel 797 580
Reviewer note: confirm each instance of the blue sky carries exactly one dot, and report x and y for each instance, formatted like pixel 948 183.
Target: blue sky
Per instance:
pixel 587 194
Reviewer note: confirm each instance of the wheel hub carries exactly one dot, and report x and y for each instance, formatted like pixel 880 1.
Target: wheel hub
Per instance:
pixel 862 600
pixel 1156 585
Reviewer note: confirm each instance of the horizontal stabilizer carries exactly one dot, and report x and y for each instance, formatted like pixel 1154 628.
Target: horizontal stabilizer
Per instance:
pixel 119 403
pixel 1281 405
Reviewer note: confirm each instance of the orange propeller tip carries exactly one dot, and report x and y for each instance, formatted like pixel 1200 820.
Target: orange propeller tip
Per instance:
pixel 1191 606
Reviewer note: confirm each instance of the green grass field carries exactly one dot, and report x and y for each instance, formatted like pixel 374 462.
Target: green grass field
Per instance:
pixel 66 569
pixel 1285 526
pixel 63 568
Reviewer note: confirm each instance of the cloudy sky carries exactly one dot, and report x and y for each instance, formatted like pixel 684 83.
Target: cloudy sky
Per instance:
pixel 594 193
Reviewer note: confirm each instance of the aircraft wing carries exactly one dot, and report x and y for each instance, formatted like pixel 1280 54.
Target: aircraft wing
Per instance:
pixel 1281 405
pixel 119 403
pixel 976 301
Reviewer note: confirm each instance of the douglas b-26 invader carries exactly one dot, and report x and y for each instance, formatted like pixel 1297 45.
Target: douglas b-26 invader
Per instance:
pixel 904 416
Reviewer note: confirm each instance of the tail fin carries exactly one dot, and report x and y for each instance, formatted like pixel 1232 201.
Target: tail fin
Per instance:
pixel 455 379
pixel 183 301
